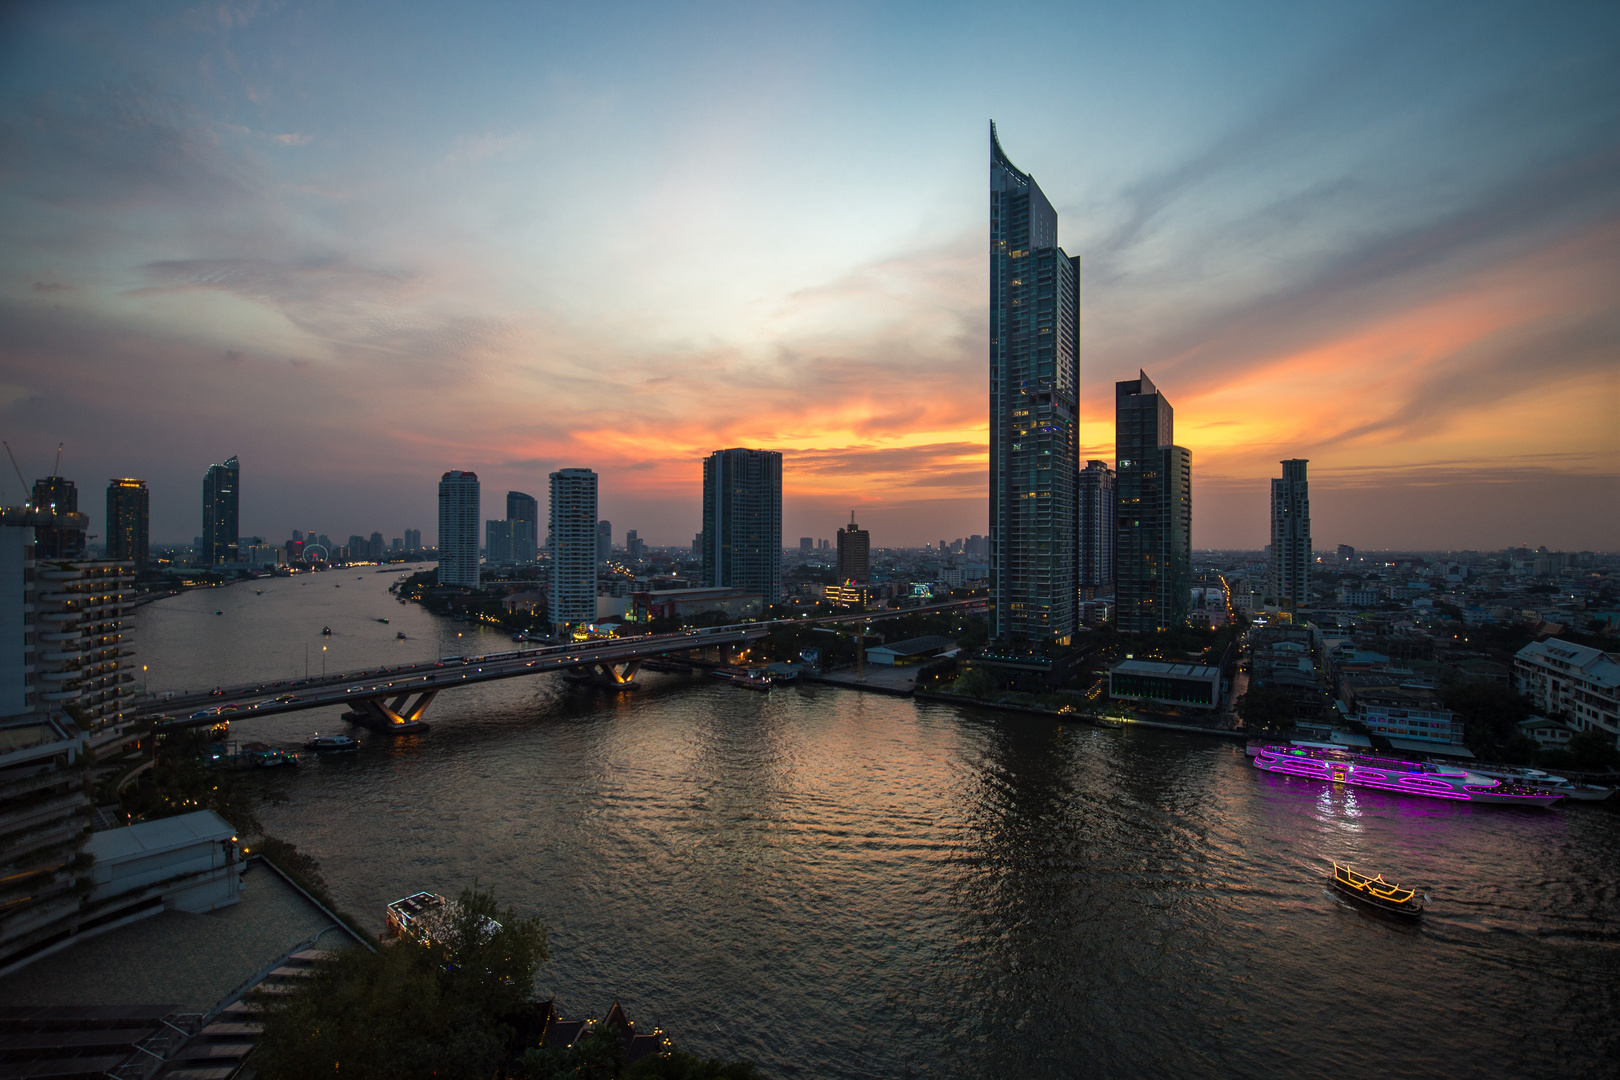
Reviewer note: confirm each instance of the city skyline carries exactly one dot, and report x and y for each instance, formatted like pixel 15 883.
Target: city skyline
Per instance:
pixel 1320 271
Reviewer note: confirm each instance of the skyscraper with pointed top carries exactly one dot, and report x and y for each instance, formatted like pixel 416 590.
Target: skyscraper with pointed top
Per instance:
pixel 1034 411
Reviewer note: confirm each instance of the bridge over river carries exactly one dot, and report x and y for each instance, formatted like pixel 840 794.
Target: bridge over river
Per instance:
pixel 397 696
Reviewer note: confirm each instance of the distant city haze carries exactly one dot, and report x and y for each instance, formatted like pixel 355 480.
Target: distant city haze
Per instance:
pixel 358 248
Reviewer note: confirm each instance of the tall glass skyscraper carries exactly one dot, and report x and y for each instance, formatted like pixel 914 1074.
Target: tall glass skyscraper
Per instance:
pixel 1034 411
pixel 1291 535
pixel 458 528
pixel 221 491
pixel 742 521
pixel 1153 485
pixel 573 548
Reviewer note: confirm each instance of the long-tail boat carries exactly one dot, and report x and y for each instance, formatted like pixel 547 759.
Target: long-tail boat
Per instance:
pixel 1376 892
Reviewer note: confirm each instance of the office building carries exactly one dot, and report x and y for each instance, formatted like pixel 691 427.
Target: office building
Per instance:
pixel 128 522
pixel 1034 410
pixel 806 545
pixel 604 541
pixel 221 491
pixel 1291 536
pixel 742 521
pixel 458 528
pixel 635 549
pixel 524 513
pixel 58 495
pixel 374 547
pixel 413 539
pixel 1347 554
pixel 573 548
pixel 1153 497
pixel 854 554
pixel 1097 530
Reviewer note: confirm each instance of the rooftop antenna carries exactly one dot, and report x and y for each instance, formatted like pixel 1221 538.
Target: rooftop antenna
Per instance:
pixel 57 470
pixel 14 465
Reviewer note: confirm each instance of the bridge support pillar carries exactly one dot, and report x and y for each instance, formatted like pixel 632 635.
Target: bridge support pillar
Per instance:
pixel 619 676
pixel 399 713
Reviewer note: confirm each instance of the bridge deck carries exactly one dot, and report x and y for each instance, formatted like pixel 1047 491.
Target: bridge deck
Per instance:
pixel 406 680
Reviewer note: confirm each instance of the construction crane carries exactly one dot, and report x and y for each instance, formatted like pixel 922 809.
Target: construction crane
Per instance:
pixel 20 479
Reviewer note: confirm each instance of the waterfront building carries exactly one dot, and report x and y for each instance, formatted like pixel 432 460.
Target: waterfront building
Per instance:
pixel 604 541
pixel 413 539
pixel 1190 686
pixel 1153 496
pixel 573 548
pixel 458 528
pixel 854 554
pixel 499 542
pixel 59 495
pixel 1097 530
pixel 374 547
pixel 128 522
pixel 1034 410
pixel 221 492
pixel 1581 682
pixel 1291 536
pixel 524 513
pixel 742 521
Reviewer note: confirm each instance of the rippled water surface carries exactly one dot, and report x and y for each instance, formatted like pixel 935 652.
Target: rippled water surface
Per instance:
pixel 846 885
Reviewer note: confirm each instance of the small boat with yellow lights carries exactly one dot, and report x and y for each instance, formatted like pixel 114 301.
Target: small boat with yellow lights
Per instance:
pixel 1376 892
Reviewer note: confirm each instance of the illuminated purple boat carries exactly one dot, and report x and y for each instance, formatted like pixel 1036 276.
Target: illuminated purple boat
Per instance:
pixel 1405 777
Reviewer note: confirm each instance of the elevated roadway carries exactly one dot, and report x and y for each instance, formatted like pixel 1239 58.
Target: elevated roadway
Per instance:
pixel 397 695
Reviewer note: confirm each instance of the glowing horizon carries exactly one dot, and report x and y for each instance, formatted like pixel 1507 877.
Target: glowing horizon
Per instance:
pixel 361 247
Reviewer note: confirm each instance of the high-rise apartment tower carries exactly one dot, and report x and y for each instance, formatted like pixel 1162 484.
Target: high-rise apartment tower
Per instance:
pixel 60 496
pixel 1153 485
pixel 742 521
pixel 221 492
pixel 1098 530
pixel 458 528
pixel 1034 410
pixel 854 554
pixel 524 513
pixel 128 521
pixel 1291 535
pixel 573 548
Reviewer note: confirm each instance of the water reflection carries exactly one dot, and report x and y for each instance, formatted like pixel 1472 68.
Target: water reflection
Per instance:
pixel 848 885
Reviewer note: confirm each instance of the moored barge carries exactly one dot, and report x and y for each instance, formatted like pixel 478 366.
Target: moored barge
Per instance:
pixel 1422 778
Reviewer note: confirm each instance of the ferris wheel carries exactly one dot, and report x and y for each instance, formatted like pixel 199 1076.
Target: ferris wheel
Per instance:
pixel 309 556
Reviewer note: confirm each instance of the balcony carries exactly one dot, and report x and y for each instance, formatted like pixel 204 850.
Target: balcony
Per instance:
pixel 59 695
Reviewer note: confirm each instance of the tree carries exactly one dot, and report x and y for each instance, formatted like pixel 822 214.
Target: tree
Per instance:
pixel 450 1009
pixel 1490 712
pixel 1266 709
pixel 1593 750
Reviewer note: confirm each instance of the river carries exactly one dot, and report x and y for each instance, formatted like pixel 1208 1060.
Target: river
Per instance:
pixel 837 884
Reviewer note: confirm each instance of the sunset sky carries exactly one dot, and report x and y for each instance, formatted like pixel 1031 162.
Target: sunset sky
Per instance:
pixel 360 244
